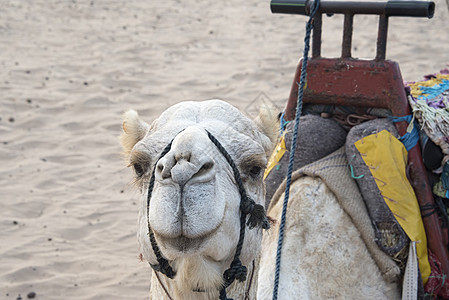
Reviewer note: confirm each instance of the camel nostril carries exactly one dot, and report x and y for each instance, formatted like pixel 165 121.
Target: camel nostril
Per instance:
pixel 181 166
pixel 207 166
pixel 165 172
pixel 205 169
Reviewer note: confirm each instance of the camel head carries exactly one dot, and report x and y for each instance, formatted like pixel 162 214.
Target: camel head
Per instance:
pixel 194 207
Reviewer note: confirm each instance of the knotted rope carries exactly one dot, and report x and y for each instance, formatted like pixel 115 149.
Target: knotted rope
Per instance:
pixel 257 217
pixel 309 26
pixel 256 212
pixel 163 266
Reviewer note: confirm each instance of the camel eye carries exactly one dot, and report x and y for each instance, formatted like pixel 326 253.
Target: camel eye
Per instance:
pixel 255 171
pixel 138 169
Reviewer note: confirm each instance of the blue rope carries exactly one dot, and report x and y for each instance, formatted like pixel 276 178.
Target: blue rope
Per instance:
pixel 309 26
pixel 410 139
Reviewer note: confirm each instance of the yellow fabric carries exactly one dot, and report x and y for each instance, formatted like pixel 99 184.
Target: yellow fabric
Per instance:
pixel 276 155
pixel 386 157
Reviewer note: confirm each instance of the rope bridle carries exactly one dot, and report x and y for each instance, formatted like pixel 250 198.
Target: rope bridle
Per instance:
pixel 257 218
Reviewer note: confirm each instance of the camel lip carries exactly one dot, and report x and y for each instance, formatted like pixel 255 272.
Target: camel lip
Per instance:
pixel 182 243
pixel 178 223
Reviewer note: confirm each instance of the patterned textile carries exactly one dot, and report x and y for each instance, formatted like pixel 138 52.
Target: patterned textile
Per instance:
pixel 429 100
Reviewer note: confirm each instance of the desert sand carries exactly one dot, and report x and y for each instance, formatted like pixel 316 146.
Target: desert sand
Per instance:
pixel 69 69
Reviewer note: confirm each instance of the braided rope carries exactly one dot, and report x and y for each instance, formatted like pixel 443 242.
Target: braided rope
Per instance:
pixel 163 266
pixel 247 206
pixel 309 26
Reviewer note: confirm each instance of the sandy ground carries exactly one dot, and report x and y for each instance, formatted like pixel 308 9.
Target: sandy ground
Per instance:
pixel 68 71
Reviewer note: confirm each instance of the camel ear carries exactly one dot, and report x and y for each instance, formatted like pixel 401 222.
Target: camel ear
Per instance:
pixel 134 129
pixel 268 123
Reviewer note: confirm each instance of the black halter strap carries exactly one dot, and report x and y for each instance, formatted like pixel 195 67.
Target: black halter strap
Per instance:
pixel 163 266
pixel 257 218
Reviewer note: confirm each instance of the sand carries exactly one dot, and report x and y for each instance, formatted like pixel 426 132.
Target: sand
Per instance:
pixel 68 71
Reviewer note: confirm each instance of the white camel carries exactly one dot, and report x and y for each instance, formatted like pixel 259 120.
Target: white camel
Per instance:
pixel 194 212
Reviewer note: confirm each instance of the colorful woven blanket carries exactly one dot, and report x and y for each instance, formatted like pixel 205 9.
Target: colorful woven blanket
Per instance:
pixel 429 100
